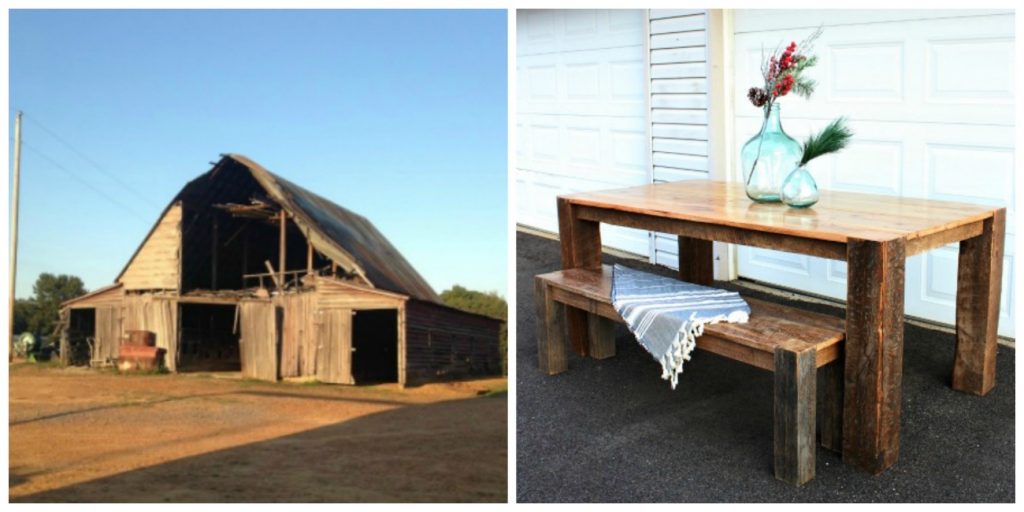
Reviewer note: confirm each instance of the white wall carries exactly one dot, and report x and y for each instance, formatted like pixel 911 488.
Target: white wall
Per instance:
pixel 678 106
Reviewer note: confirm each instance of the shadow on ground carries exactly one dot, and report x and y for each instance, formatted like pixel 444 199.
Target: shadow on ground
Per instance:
pixel 613 431
pixel 410 454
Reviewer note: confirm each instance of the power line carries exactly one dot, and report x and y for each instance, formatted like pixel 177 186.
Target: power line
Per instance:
pixel 92 162
pixel 135 215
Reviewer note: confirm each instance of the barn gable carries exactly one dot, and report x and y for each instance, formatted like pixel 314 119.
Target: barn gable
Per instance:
pixel 157 262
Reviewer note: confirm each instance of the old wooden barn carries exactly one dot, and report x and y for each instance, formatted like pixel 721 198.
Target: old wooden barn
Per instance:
pixel 246 271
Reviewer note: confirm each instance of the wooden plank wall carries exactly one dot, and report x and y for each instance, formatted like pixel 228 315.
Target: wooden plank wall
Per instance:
pixel 157 263
pixel 156 314
pixel 300 340
pixel 334 362
pixel 336 295
pixel 258 341
pixel 444 343
pixel 108 334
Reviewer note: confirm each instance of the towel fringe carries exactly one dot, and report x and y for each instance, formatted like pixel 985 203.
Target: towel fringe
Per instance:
pixel 686 341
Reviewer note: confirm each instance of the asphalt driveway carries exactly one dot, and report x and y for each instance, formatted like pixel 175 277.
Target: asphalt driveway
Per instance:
pixel 613 431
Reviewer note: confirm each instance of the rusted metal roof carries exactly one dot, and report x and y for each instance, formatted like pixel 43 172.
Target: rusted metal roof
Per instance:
pixel 347 238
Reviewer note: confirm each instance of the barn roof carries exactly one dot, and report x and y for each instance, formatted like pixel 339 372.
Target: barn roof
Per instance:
pixel 345 237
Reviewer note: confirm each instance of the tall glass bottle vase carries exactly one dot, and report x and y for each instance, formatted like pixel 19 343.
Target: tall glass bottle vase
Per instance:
pixel 768 158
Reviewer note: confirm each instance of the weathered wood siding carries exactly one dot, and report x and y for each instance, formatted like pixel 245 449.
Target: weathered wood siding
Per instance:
pixel 158 315
pixel 108 334
pixel 334 363
pixel 258 341
pixel 445 343
pixel 299 335
pixel 336 294
pixel 156 265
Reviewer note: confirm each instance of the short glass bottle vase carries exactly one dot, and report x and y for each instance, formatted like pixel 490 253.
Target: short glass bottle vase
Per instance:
pixel 768 158
pixel 799 189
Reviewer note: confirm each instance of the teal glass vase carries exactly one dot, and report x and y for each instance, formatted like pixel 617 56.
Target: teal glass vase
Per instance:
pixel 768 158
pixel 799 189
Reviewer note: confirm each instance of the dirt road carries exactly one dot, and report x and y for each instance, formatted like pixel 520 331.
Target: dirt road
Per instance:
pixel 80 435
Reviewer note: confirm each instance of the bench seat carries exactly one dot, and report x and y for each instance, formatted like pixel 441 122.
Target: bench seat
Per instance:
pixel 790 342
pixel 754 342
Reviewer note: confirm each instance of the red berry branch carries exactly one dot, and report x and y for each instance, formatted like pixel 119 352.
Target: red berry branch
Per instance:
pixel 783 73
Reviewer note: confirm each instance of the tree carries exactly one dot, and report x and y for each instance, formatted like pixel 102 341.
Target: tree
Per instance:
pixel 23 310
pixel 50 291
pixel 489 304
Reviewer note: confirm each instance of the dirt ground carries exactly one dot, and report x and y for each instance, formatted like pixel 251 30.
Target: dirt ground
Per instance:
pixel 79 435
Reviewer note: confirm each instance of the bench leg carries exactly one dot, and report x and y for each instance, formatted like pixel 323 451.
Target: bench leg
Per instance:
pixel 795 376
pixel 552 344
pixel 602 336
pixel 832 407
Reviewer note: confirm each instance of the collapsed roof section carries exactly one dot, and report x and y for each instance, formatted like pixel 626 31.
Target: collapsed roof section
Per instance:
pixel 344 237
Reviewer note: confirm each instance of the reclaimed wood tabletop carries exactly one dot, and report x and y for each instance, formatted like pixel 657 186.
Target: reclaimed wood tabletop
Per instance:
pixel 874 234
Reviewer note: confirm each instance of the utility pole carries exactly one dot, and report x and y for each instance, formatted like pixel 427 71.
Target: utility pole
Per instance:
pixel 14 229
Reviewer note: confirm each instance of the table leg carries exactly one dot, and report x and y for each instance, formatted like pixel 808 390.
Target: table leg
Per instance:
pixel 696 261
pixel 979 284
pixel 874 353
pixel 581 248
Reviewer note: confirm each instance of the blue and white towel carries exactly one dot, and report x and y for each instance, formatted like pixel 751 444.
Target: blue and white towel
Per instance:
pixel 666 315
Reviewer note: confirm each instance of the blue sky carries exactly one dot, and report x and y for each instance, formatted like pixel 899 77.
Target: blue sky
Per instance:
pixel 400 116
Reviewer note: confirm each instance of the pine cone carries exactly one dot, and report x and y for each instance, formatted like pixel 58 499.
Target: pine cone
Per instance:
pixel 757 96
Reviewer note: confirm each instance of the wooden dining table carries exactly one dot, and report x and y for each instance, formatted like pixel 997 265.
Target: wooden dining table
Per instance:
pixel 873 234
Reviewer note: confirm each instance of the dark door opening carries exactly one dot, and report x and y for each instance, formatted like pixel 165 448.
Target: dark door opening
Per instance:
pixel 208 342
pixel 375 346
pixel 81 334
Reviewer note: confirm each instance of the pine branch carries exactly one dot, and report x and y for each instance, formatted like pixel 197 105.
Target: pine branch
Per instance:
pixel 833 138
pixel 804 86
pixel 806 63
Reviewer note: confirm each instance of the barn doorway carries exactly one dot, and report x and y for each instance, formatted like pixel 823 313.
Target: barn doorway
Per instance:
pixel 375 346
pixel 81 336
pixel 208 339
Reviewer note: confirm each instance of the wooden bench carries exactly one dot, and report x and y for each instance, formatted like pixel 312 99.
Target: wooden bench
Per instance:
pixel 789 342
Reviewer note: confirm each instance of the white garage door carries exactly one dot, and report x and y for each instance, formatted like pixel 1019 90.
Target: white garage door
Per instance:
pixel 581 111
pixel 930 95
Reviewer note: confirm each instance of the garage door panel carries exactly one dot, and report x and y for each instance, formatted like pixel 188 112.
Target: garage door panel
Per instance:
pixel 764 20
pixel 581 113
pixel 948 83
pixel 609 151
pixel 989 180
pixel 591 82
pixel 562 31
pixel 913 70
pixel 930 101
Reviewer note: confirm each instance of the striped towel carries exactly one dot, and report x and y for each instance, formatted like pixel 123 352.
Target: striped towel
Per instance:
pixel 666 315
